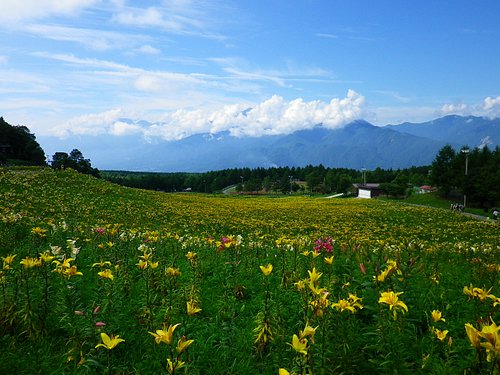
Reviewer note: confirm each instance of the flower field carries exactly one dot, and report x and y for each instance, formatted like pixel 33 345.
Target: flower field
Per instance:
pixel 98 278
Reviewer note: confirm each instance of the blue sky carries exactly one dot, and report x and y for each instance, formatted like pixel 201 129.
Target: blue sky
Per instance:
pixel 79 67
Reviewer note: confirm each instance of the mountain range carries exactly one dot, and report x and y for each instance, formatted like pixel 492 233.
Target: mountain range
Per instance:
pixel 357 145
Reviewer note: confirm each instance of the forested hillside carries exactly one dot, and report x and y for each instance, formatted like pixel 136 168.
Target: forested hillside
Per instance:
pixel 19 146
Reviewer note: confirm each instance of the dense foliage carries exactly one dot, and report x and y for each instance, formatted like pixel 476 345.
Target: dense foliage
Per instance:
pixel 475 173
pixel 74 160
pixel 98 278
pixel 19 146
pixel 317 179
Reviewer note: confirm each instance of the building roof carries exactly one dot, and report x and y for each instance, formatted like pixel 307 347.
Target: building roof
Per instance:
pixel 368 186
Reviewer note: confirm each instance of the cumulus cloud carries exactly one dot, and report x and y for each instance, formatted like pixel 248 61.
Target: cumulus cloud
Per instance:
pixel 91 124
pixel 15 11
pixel 458 108
pixel 120 128
pixel 489 107
pixel 271 117
pixel 492 104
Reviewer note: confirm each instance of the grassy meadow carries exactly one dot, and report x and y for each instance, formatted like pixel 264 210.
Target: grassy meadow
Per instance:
pixel 98 278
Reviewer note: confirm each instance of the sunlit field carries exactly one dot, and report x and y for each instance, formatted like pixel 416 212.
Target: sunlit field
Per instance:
pixel 98 278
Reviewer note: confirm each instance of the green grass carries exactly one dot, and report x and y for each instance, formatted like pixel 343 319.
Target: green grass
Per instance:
pixel 434 200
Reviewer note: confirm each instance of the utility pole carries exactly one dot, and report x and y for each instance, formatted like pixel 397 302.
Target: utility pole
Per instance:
pixel 466 152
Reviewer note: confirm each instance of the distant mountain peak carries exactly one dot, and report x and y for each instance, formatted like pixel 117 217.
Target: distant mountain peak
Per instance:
pixel 356 145
pixel 359 124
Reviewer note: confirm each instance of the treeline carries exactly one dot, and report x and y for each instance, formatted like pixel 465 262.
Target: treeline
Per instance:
pixel 19 146
pixel 312 179
pixel 473 172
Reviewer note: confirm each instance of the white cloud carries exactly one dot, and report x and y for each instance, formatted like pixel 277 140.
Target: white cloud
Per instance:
pixel 148 50
pixel 271 117
pixel 148 82
pixel 98 40
pixel 326 35
pixel 28 104
pixel 492 104
pixel 120 128
pixel 394 95
pixel 15 11
pixel 143 80
pixel 489 107
pixel 91 124
pixel 177 17
pixel 16 82
pixel 457 109
pixel 149 17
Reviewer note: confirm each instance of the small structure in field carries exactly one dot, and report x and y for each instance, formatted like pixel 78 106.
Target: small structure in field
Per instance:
pixel 369 190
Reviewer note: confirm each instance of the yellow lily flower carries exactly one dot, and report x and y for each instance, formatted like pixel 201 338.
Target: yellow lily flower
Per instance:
pixel 316 289
pixel 314 275
pixel 72 271
pixel 490 333
pixel 329 260
pixel 163 335
pixel 266 270
pixel 384 275
pixel 109 342
pixel 437 316
pixel 390 298
pixel 102 264
pixel 172 367
pixel 40 232
pixel 191 256
pixel 483 294
pixel 8 260
pixel 30 262
pixel 106 274
pixel 45 257
pixel 172 271
pixel 308 331
pixel 183 344
pixel 192 308
pixel 441 335
pixel 299 345
pixel 473 335
pixel 344 305
pixel 300 285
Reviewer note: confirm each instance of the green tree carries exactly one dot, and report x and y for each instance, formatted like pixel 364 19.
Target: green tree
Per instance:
pixel 442 173
pixel 344 183
pixel 18 143
pixel 74 160
pixel 313 179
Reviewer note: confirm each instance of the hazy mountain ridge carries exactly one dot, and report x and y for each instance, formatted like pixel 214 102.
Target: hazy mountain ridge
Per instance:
pixel 357 145
pixel 465 130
